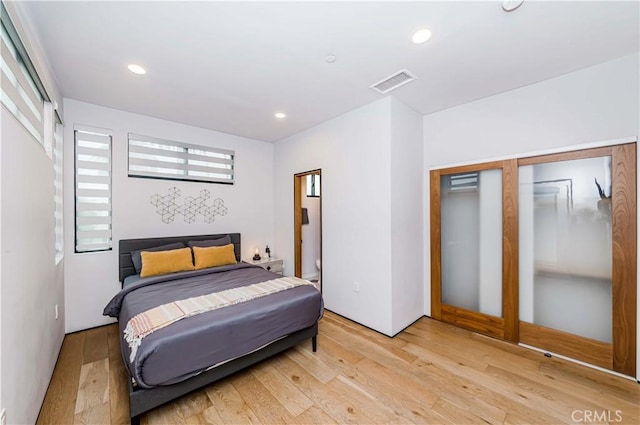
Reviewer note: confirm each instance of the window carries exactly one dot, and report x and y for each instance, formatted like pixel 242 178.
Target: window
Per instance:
pixel 57 196
pixel 313 185
pixel 93 190
pixel 165 159
pixel 19 94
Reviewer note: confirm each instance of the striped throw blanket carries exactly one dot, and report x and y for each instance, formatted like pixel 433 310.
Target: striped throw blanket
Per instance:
pixel 145 323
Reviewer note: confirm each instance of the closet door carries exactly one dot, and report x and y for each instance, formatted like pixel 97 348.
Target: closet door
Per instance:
pixel 577 255
pixel 474 247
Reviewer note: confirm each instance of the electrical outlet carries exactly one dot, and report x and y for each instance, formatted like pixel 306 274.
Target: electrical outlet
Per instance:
pixel 56 309
pixel 356 286
pixel 3 417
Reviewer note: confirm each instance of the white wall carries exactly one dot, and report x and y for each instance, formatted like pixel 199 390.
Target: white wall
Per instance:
pixel 407 191
pixel 310 234
pixel 31 281
pixel 593 104
pixel 353 152
pixel 92 278
pixel 369 158
pixel 596 103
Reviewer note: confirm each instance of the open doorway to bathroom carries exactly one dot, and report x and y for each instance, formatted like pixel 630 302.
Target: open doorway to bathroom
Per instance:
pixel 307 202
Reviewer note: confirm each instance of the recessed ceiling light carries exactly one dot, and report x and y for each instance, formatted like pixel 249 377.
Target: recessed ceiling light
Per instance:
pixel 280 115
pixel 136 69
pixel 511 5
pixel 330 58
pixel 421 36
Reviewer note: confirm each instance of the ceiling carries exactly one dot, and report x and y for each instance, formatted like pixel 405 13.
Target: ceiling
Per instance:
pixel 229 66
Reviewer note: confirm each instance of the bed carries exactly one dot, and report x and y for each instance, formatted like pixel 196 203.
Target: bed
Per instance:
pixel 210 345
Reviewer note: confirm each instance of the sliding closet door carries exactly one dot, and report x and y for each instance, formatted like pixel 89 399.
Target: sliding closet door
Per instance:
pixel 577 255
pixel 474 249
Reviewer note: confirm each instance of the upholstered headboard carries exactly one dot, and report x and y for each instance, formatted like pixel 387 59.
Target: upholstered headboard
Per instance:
pixel 125 246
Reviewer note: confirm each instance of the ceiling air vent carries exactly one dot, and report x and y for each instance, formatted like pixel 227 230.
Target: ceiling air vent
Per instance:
pixel 394 81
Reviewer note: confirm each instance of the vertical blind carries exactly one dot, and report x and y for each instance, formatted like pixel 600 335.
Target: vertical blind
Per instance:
pixel 19 93
pixel 166 159
pixel 93 190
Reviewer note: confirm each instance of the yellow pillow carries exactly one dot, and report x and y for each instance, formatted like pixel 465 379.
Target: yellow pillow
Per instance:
pixel 214 256
pixel 163 262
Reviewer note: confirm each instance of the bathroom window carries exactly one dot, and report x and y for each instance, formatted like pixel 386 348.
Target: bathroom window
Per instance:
pixel 313 185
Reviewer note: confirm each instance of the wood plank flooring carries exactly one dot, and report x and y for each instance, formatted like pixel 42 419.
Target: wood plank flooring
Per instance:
pixel 430 373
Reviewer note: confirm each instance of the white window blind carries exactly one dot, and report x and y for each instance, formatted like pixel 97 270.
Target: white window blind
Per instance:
pixel 57 194
pixel 166 159
pixel 19 93
pixel 93 190
pixel 48 128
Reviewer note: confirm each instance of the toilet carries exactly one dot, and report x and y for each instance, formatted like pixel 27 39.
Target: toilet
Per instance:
pixel 318 264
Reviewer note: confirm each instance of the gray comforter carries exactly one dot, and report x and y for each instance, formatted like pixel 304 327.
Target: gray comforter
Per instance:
pixel 187 347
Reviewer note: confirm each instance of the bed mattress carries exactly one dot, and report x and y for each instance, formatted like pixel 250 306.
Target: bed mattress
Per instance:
pixel 189 346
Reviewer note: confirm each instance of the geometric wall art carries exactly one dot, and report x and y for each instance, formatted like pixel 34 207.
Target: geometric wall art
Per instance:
pixel 192 207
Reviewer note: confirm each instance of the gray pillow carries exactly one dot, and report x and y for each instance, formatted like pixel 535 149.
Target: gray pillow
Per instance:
pixel 225 240
pixel 137 258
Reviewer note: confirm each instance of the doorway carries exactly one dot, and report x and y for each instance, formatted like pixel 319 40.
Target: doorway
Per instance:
pixel 307 204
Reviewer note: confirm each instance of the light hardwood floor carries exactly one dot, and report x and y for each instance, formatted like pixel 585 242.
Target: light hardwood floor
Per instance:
pixel 430 373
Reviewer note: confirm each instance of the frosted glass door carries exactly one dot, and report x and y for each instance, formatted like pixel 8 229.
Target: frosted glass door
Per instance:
pixel 473 236
pixel 542 251
pixel 565 246
pixel 577 255
pixel 471 240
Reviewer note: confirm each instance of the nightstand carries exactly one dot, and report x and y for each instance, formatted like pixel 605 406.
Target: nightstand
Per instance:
pixel 275 265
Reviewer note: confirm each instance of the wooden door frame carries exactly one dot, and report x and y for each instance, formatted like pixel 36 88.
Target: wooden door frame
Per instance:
pixel 297 220
pixel 505 327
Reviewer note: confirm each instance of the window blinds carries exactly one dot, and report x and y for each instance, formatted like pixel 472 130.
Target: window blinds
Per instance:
pixel 58 195
pixel 93 190
pixel 19 93
pixel 166 159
